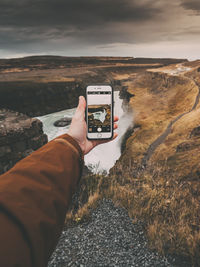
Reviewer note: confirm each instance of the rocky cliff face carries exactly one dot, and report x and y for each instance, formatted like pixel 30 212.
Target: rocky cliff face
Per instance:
pixel 36 99
pixel 19 137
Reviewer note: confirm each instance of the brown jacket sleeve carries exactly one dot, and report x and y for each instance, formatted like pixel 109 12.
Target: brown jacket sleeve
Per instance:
pixel 34 197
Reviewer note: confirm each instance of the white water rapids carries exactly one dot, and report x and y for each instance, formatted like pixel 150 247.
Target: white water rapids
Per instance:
pixel 104 156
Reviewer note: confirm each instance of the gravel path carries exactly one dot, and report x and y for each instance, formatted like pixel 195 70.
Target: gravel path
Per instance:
pixel 108 239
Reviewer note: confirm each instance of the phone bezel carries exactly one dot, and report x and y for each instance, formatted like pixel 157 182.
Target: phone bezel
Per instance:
pixel 112 110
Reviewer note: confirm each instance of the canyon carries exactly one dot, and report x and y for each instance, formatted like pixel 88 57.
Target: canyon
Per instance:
pixel 157 177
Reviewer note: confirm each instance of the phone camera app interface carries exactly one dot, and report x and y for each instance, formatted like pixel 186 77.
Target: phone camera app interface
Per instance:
pixel 99 111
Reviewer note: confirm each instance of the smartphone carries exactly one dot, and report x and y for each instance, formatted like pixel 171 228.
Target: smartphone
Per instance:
pixel 99 112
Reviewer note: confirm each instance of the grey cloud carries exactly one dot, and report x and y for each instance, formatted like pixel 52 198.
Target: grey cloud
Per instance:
pixel 37 23
pixel 79 13
pixel 43 26
pixel 191 5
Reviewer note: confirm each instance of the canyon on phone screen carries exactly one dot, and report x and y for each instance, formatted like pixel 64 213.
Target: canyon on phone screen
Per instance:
pixel 99 112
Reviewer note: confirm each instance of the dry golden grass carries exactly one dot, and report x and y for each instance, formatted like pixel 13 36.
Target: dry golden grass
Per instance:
pixel 86 198
pixel 84 211
pixel 169 206
pixel 180 133
pixel 57 79
pixel 120 76
pixel 166 196
pixel 15 70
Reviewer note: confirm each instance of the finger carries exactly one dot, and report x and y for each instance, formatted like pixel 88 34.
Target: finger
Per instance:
pixel 115 136
pixel 116 118
pixel 115 126
pixel 81 104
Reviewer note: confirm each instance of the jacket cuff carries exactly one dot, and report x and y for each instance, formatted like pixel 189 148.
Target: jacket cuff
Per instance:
pixel 73 142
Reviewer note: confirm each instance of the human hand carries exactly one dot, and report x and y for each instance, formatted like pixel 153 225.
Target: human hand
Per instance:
pixel 78 129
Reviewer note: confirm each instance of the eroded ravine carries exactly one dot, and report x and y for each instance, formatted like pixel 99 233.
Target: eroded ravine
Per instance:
pixel 151 149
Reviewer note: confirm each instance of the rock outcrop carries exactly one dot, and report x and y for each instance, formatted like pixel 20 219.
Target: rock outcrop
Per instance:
pixel 19 137
pixel 62 122
pixel 195 132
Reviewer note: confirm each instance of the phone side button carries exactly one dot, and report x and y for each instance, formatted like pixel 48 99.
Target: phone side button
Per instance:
pixel 99 135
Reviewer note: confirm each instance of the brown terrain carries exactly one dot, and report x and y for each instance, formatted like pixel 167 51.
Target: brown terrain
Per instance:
pixel 157 177
pixel 45 84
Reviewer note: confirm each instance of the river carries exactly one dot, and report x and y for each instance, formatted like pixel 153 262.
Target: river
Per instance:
pixel 104 156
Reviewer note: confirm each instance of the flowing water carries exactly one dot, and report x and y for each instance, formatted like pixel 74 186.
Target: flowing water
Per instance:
pixel 104 156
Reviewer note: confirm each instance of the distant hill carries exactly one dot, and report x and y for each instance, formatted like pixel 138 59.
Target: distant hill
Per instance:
pixel 48 62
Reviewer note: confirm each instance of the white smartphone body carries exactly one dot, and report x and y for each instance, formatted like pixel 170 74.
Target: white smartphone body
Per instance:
pixel 99 112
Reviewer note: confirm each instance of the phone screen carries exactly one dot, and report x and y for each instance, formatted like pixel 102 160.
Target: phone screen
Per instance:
pixel 99 112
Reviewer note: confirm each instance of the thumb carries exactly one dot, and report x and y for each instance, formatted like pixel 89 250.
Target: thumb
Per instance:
pixel 82 103
pixel 80 111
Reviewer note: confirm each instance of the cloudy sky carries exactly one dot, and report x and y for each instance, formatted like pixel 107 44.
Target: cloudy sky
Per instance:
pixel 138 28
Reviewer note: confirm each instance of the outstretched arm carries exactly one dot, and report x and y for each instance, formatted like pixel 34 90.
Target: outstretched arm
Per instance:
pixel 35 195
